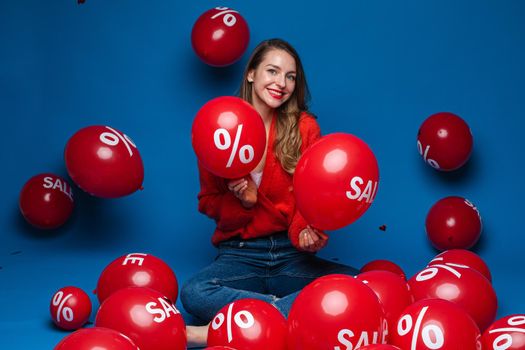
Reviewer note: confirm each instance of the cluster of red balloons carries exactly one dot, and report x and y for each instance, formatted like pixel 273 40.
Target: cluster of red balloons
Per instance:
pixel 137 293
pixel 99 159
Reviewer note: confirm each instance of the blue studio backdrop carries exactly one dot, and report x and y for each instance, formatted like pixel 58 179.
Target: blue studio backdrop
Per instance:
pixel 376 69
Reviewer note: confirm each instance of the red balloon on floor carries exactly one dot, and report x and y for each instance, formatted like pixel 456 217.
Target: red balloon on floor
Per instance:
pixel 220 36
pixel 137 270
pixel 461 285
pixel 146 316
pixel 507 333
pixel 384 265
pixel 46 201
pixel 335 311
pixel 435 324
pixel 96 338
pixel 228 137
pixel 335 181
pixel 463 257
pixel 104 162
pixel 392 291
pixel 248 324
pixel 70 308
pixel 453 222
pixel 445 141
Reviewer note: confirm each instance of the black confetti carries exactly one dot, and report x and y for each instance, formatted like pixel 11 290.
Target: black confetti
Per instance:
pixel 16 252
pixel 382 227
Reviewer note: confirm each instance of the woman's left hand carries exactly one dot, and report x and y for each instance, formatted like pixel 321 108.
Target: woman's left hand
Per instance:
pixel 312 240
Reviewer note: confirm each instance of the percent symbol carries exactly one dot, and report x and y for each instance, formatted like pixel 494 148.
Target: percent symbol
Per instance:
pixel 227 143
pixel 243 319
pixel 504 341
pixel 432 335
pixel 432 162
pixel 114 137
pixel 229 19
pixel 432 271
pixel 66 312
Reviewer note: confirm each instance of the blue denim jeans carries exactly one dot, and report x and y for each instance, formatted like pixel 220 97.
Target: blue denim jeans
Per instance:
pixel 268 269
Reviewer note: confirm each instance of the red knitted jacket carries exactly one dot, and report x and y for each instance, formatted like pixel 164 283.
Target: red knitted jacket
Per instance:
pixel 275 208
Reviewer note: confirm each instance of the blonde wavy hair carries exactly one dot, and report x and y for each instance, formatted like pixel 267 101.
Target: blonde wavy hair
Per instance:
pixel 287 145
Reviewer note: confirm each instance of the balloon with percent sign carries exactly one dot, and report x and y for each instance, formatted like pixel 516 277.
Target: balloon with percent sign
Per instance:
pixel 335 181
pixel 384 265
pixel 220 36
pixel 463 257
pixel 445 141
pixel 104 162
pixel 336 312
pixel 248 324
pixel 228 137
pixel 46 201
pixel 70 308
pixel 96 338
pixel 453 222
pixel 507 333
pixel 435 324
pixel 137 270
pixel 461 285
pixel 146 316
pixel 392 291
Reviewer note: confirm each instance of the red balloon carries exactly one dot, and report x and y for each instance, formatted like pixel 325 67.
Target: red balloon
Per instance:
pixel 453 222
pixel 506 333
pixel 461 285
pixel 393 293
pixel 444 141
pixel 70 308
pixel 335 312
pixel 220 36
pixel 436 324
pixel 219 348
pixel 104 162
pixel 146 316
pixel 384 265
pixel 379 347
pixel 228 137
pixel 335 181
pixel 96 338
pixel 463 257
pixel 248 324
pixel 46 201
pixel 137 270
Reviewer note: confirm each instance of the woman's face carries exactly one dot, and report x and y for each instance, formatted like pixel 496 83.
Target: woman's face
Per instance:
pixel 273 81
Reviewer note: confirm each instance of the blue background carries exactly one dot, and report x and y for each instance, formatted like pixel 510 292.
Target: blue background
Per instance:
pixel 376 69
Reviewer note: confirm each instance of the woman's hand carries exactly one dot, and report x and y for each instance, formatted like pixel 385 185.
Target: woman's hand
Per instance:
pixel 312 240
pixel 244 189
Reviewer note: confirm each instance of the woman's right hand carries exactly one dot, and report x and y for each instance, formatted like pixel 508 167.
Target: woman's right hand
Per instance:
pixel 312 240
pixel 244 189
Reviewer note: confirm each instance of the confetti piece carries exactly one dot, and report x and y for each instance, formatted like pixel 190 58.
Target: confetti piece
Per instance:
pixel 382 227
pixel 16 252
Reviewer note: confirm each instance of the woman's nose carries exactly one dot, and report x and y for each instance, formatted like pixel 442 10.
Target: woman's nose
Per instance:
pixel 281 80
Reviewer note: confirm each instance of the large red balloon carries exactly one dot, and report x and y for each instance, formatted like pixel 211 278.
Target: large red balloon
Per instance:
pixel 444 141
pixel 384 265
pixel 335 312
pixel 461 285
pixel 96 338
pixel 70 308
pixel 146 316
pixel 507 333
pixel 436 324
pixel 463 257
pixel 379 347
pixel 248 324
pixel 46 201
pixel 228 137
pixel 453 222
pixel 220 36
pixel 104 162
pixel 335 181
pixel 393 293
pixel 137 270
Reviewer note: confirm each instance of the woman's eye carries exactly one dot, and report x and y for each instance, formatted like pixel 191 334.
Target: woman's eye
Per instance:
pixel 272 71
pixel 291 77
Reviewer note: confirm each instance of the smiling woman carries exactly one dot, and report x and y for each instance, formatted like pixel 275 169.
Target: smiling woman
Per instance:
pixel 266 247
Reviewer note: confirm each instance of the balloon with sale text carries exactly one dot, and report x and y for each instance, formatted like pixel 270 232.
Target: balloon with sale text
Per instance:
pixel 335 181
pixel 104 162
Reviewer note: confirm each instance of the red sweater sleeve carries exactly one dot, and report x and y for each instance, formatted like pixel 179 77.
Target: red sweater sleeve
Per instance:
pixel 310 133
pixel 217 202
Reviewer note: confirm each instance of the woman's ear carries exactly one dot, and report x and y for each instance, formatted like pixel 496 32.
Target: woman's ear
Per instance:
pixel 250 75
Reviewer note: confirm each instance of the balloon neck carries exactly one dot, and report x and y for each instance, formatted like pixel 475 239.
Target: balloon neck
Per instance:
pixel 141 188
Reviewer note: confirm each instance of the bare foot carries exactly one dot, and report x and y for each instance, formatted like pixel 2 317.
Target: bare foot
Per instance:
pixel 197 336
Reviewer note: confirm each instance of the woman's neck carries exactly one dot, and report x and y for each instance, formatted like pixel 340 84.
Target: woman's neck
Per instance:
pixel 265 111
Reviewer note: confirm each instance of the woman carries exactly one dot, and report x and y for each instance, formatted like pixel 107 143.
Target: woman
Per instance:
pixel 265 245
